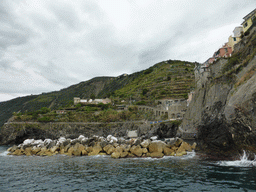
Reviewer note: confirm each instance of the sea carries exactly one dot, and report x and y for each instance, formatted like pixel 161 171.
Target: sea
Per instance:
pixel 191 172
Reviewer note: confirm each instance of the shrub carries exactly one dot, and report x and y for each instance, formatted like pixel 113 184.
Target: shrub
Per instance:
pixel 141 103
pixel 44 119
pixel 44 110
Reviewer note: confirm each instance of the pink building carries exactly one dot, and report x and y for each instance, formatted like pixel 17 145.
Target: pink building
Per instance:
pixel 224 51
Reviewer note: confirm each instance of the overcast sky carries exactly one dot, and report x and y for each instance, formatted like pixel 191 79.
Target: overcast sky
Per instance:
pixel 47 45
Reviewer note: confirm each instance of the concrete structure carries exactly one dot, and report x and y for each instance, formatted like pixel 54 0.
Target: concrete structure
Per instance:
pixel 249 20
pixel 90 101
pixel 171 108
pixel 132 134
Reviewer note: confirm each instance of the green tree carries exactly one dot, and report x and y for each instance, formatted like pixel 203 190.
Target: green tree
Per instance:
pixel 92 96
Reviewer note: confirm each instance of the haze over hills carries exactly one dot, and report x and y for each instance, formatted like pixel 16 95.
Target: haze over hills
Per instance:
pixel 167 79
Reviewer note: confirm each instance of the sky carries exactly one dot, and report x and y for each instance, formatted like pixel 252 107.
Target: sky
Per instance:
pixel 52 44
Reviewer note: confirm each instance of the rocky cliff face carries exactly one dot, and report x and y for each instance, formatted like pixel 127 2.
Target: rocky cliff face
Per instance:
pixel 223 109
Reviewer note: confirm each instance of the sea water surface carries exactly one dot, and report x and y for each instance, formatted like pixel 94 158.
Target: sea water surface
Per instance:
pixel 102 173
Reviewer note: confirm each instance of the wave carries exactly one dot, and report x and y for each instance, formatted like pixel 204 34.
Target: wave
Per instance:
pixel 243 162
pixel 4 153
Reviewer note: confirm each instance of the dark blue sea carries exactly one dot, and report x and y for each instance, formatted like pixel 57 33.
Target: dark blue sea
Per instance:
pixel 101 173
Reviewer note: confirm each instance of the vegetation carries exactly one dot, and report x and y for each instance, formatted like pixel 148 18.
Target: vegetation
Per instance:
pixel 168 79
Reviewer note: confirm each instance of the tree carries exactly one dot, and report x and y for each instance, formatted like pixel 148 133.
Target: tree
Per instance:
pixel 92 96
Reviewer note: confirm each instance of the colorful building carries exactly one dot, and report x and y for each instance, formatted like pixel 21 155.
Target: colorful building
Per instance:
pixel 224 51
pixel 232 40
pixel 249 20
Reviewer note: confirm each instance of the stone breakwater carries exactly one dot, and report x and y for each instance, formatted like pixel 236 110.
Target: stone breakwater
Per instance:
pixel 116 147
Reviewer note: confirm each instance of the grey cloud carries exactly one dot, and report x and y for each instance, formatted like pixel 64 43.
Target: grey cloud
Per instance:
pixel 55 74
pixel 67 15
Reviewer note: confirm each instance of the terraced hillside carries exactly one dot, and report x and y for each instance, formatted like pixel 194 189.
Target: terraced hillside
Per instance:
pixel 168 79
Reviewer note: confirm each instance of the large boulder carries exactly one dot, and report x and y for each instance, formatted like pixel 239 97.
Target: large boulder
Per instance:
pixel 79 149
pixel 168 151
pixel 109 149
pixel 125 147
pixel 116 155
pixel 156 146
pixel 136 150
pixel 95 150
pixel 145 143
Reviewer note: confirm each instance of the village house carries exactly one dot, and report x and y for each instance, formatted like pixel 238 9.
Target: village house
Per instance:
pixel 224 51
pixel 249 20
pixel 232 40
pixel 77 100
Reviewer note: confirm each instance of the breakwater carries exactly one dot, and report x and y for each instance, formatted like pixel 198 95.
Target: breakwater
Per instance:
pixel 116 147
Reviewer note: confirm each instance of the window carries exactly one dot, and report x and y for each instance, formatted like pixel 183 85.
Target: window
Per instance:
pixel 245 25
pixel 234 38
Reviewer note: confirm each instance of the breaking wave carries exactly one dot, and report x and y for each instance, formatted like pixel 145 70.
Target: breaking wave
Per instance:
pixel 243 162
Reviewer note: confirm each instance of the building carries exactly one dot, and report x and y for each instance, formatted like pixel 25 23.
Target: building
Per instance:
pixel 91 101
pixel 176 108
pixel 224 51
pixel 232 40
pixel 249 20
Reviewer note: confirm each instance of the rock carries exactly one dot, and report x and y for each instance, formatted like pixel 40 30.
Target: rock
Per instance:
pixel 78 149
pixel 103 144
pixel 125 147
pixel 13 148
pixel 54 149
pixel 178 142
pixel 154 138
pixel 168 151
pixel 84 152
pixel 156 146
pixel 28 151
pixel 145 143
pixel 60 141
pixel 124 154
pixel 18 152
pixel 115 144
pixel 35 150
pixel 130 154
pixel 156 155
pixel 136 150
pixel 116 155
pixel 184 147
pixel 119 149
pixel 95 150
pixel 121 140
pixel 70 151
pixel 193 147
pixel 109 149
pixel 67 147
pixel 111 139
pixel 102 153
pixel 137 141
pixel 181 153
pixel 144 150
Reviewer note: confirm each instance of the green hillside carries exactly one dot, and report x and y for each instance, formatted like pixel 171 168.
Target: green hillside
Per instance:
pixel 168 79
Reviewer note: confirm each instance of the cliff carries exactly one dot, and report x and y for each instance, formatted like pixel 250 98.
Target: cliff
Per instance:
pixel 222 113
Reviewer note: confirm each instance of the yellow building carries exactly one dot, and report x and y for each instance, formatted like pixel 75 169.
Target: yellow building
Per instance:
pixel 232 40
pixel 248 20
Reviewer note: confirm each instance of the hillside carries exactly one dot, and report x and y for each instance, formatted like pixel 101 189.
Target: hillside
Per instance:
pixel 168 79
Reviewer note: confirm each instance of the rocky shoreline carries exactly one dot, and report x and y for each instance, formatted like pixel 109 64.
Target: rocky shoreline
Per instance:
pixel 116 147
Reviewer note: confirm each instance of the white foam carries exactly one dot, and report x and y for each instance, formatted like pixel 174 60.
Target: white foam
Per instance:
pixel 243 162
pixel 4 154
